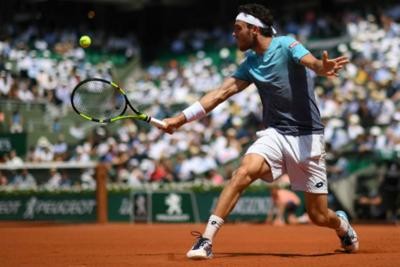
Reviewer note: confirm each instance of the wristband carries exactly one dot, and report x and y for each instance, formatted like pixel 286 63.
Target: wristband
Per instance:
pixel 194 112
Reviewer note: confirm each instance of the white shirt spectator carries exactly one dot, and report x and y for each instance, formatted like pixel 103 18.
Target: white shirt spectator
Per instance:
pixel 14 160
pixel 77 131
pixel 55 180
pixel 5 83
pixel 387 109
pixel 63 94
pixel 354 129
pixel 87 179
pixel 25 95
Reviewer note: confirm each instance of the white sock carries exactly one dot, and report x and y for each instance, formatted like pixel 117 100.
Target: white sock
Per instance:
pixel 343 227
pixel 213 225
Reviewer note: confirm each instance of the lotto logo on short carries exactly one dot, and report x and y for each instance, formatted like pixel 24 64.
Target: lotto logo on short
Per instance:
pixel 319 185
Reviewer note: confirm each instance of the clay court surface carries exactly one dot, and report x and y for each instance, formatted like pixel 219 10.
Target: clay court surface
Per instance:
pixel 46 244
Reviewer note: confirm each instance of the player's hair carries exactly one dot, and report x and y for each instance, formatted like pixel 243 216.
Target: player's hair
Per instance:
pixel 260 12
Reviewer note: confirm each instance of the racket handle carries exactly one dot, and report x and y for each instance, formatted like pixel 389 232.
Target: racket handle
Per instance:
pixel 156 122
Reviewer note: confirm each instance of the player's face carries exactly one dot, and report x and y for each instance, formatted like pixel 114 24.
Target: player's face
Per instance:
pixel 243 35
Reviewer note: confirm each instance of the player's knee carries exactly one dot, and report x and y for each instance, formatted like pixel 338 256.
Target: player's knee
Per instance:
pixel 240 178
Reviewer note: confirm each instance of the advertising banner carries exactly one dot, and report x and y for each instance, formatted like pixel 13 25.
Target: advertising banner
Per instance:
pixel 173 207
pixel 60 207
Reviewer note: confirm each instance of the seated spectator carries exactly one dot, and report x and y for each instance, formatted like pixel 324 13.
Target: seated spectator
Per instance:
pixel 60 148
pixel 369 196
pixel 54 181
pixel 136 175
pixel 44 151
pixel 370 206
pixel 3 123
pixel 87 179
pixel 5 83
pixel 16 122
pixel 77 131
pixel 24 180
pixel 3 179
pixel 162 172
pixel 65 181
pixel 390 26
pixel 13 159
pixel 214 177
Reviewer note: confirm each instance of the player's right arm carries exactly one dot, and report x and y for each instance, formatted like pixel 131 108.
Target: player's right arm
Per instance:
pixel 208 102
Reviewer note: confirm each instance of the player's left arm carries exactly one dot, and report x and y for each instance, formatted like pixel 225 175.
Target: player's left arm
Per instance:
pixel 326 66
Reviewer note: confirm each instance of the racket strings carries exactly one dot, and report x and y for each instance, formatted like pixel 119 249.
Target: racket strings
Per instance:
pixel 99 100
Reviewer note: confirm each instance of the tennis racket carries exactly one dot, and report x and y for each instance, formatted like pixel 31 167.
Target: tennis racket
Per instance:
pixel 103 101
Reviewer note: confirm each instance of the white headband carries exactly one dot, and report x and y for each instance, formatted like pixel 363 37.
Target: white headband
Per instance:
pixel 250 20
pixel 253 21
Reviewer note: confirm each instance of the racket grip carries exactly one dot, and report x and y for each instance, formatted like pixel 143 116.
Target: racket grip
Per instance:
pixel 156 122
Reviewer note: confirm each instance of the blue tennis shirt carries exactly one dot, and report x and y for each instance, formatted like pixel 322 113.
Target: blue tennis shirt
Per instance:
pixel 285 87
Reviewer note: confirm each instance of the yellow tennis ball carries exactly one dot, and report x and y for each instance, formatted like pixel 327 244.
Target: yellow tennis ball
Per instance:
pixel 85 41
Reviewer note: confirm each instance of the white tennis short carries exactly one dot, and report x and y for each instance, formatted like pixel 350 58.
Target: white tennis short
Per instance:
pixel 301 157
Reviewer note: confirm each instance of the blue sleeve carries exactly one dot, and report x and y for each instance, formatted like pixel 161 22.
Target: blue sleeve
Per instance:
pixel 242 73
pixel 295 48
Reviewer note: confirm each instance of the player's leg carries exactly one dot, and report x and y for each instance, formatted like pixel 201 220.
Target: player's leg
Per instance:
pixel 317 209
pixel 263 159
pixel 305 160
pixel 321 215
pixel 251 168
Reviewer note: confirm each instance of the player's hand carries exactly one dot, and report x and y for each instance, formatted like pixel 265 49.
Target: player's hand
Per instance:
pixel 172 124
pixel 333 66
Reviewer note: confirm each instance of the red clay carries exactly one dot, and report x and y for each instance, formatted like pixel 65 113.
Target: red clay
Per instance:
pixel 44 244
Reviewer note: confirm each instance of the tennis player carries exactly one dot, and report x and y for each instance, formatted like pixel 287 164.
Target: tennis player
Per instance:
pixel 292 141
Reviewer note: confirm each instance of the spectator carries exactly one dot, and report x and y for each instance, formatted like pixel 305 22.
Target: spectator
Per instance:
pixel 354 129
pixel 60 149
pixel 24 180
pixel 162 172
pixel 391 28
pixel 65 181
pixel 5 83
pixel 284 203
pixel 77 131
pixel 87 179
pixel 17 122
pixel 54 181
pixel 44 151
pixel 214 177
pixel 136 175
pixel 13 159
pixel 370 205
pixel 3 124
pixel 3 179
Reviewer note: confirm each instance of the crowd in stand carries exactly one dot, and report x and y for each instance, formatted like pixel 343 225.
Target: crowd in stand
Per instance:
pixel 42 65
pixel 360 109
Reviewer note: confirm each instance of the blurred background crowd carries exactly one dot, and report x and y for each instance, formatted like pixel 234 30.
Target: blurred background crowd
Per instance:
pixel 41 62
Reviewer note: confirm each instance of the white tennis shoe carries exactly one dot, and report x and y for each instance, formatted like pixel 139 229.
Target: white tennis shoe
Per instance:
pixel 202 248
pixel 349 240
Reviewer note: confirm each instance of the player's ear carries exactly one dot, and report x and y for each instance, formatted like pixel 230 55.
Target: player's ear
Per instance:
pixel 257 30
pixel 254 29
